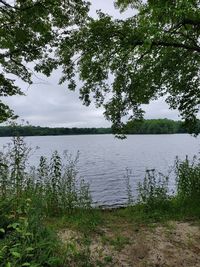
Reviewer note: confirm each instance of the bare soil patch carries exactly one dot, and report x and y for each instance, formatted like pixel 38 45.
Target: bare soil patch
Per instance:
pixel 175 244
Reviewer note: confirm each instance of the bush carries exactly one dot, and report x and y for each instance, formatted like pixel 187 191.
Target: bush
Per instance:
pixel 153 191
pixel 25 241
pixel 27 196
pixel 54 183
pixel 188 180
pixel 154 194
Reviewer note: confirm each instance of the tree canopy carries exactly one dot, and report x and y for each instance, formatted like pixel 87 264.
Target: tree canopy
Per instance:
pixel 30 31
pixel 122 63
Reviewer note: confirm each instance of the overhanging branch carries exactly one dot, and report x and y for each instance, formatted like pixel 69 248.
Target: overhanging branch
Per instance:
pixel 6 4
pixel 167 44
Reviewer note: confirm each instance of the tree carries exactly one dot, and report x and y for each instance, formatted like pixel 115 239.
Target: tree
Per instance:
pixel 30 30
pixel 133 61
pixel 122 63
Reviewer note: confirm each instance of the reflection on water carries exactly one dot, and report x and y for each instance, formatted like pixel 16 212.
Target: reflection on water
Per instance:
pixel 103 159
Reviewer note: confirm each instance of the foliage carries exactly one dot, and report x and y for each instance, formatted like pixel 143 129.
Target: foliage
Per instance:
pixel 25 241
pixel 155 202
pixel 188 180
pixel 42 131
pixel 128 187
pixel 156 126
pixel 121 63
pixel 153 191
pixel 30 32
pixel 126 63
pixel 27 196
pixel 53 183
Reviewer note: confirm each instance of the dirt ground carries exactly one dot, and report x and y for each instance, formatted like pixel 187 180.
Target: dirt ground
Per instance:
pixel 174 244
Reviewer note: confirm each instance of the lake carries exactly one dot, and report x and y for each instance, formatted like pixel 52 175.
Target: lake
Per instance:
pixel 104 160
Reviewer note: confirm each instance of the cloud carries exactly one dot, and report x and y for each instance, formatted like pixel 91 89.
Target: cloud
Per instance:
pixel 160 109
pixel 49 104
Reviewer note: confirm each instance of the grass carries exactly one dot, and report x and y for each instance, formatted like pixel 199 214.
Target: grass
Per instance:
pixel 113 230
pixel 118 233
pixel 46 218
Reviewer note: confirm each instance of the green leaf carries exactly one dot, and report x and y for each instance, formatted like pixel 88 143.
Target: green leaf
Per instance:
pixel 13 225
pixel 2 230
pixel 26 264
pixel 29 249
pixel 16 254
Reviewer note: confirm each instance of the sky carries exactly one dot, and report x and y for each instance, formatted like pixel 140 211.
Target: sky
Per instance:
pixel 48 104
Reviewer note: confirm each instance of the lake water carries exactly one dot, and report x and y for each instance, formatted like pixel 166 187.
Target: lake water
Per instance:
pixel 104 159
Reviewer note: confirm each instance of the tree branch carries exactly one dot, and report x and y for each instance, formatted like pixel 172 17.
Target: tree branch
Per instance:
pixel 20 8
pixel 169 44
pixel 6 4
pixel 176 45
pixel 10 53
pixel 191 22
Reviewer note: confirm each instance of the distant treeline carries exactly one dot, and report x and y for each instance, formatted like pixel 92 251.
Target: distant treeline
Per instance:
pixel 40 131
pixel 158 126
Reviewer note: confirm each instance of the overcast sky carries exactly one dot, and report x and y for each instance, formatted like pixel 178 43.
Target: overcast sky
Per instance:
pixel 48 104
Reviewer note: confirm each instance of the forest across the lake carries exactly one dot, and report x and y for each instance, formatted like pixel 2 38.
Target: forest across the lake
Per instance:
pixel 154 126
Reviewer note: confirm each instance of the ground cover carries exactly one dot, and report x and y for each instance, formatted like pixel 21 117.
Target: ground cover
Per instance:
pixel 47 218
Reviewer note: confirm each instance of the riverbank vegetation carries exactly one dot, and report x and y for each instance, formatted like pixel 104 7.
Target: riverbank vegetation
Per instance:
pixel 47 218
pixel 156 126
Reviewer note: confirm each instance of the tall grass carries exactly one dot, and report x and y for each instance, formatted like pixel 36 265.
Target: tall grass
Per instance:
pixel 153 191
pixel 188 179
pixel 27 196
pixel 54 183
pixel 156 200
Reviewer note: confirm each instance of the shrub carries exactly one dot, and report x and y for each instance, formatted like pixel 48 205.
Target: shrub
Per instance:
pixel 25 241
pixel 27 195
pixel 54 183
pixel 188 180
pixel 153 191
